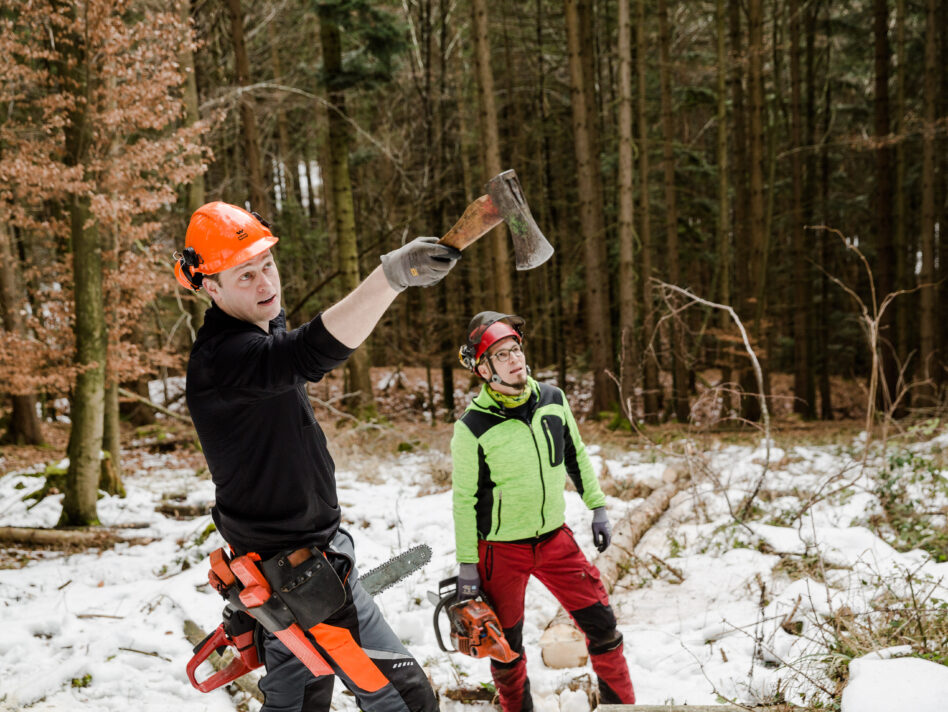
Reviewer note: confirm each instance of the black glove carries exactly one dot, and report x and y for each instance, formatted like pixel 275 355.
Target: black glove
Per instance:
pixel 602 530
pixel 419 263
pixel 469 581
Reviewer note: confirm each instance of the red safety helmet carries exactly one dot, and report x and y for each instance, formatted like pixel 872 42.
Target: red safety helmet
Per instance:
pixel 220 236
pixel 485 330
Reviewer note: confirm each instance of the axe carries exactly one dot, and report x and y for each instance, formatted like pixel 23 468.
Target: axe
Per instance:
pixel 504 202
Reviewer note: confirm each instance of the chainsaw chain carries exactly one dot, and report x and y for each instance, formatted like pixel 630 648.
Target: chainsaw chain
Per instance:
pixel 398 567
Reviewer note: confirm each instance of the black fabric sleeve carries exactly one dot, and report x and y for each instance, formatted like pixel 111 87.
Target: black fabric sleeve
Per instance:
pixel 256 362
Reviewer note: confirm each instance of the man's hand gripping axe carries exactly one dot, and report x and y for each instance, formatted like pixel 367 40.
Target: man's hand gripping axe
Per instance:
pixel 504 202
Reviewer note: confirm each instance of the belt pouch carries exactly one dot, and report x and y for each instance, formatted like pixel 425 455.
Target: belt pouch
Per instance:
pixel 312 591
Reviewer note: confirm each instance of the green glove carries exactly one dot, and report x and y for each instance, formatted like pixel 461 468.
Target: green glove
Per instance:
pixel 419 263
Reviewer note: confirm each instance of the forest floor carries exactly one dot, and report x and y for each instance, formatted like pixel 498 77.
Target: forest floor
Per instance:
pixel 837 567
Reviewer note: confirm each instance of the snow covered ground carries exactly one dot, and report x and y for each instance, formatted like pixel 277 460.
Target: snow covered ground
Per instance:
pixel 718 613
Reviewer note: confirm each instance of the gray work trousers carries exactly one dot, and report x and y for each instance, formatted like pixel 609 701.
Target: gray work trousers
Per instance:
pixel 289 686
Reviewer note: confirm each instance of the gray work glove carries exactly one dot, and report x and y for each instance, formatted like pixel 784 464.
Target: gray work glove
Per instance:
pixel 469 581
pixel 602 530
pixel 419 263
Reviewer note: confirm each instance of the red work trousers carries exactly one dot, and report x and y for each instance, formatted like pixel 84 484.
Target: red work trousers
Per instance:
pixel 559 564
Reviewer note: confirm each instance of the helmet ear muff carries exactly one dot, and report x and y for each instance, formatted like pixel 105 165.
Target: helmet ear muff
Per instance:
pixel 187 261
pixel 466 357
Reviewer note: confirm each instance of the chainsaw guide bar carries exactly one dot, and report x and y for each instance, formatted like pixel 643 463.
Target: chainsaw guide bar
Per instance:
pixel 395 569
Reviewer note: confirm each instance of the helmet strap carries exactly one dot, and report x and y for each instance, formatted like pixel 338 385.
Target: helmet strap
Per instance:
pixel 495 378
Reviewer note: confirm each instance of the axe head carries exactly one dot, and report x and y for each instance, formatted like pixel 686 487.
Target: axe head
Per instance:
pixel 531 248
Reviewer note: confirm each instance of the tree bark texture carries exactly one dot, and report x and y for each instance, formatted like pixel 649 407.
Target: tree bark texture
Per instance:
pixel 590 211
pixel 754 255
pixel 253 164
pixel 885 251
pixel 196 188
pixel 804 402
pixel 87 407
pixel 501 285
pixel 902 281
pixel 679 368
pixel 651 387
pixel 358 365
pixel 928 327
pixel 25 427
pixel 628 342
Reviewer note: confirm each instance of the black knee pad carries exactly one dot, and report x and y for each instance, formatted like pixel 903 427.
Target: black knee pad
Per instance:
pixel 598 623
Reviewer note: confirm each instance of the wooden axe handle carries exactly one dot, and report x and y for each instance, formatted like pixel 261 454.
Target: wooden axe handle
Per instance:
pixel 479 217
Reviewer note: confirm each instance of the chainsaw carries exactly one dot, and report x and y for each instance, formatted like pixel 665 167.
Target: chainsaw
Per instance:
pixel 475 629
pixel 241 632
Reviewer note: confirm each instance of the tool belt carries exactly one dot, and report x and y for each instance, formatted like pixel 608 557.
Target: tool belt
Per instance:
pixel 289 595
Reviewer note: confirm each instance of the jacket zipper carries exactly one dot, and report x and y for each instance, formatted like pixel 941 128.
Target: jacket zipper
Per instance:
pixel 500 504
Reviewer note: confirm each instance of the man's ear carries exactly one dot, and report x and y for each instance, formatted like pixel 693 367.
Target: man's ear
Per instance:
pixel 211 287
pixel 483 371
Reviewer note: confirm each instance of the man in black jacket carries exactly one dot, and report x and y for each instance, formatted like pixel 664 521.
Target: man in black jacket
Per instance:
pixel 273 474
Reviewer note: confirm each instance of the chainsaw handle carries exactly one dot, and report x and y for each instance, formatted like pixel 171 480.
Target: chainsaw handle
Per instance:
pixel 438 608
pixel 235 669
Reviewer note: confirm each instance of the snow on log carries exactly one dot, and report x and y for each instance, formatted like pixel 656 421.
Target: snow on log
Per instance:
pixel 60 537
pixel 562 645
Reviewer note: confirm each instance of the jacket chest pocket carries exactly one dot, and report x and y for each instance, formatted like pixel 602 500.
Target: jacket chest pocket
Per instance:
pixel 553 433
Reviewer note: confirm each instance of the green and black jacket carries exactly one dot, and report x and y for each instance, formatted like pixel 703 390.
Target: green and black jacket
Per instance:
pixel 510 468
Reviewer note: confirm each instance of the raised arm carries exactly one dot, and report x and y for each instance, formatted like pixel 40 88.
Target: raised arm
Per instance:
pixel 352 318
pixel 419 263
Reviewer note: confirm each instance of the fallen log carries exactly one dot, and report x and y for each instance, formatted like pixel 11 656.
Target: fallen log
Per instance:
pixel 180 510
pixel 124 392
pixel 61 538
pixel 562 645
pixel 194 634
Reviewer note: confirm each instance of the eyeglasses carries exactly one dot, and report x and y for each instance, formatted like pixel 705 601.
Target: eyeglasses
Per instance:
pixel 504 355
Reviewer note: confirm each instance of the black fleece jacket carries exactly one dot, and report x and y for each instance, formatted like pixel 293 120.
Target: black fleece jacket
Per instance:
pixel 274 478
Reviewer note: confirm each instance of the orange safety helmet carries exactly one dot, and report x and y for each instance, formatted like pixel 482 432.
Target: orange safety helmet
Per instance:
pixel 220 236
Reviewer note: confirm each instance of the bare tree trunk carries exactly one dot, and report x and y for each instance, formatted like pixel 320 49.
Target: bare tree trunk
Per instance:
pixel 750 406
pixel 110 470
pixel 252 160
pixel 358 365
pixel 87 407
pixel 24 426
pixel 501 281
pixel 627 332
pixel 547 159
pixel 928 327
pixel 192 112
pixel 196 192
pixel 651 388
pixel 723 238
pixel 902 281
pixel 826 393
pixel 287 158
pixel 679 369
pixel 941 189
pixel 885 254
pixel 805 395
pixel 590 211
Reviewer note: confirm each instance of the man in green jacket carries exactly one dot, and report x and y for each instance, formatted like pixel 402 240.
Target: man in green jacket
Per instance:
pixel 512 451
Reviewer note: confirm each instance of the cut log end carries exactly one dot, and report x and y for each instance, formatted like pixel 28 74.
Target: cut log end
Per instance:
pixel 563 646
